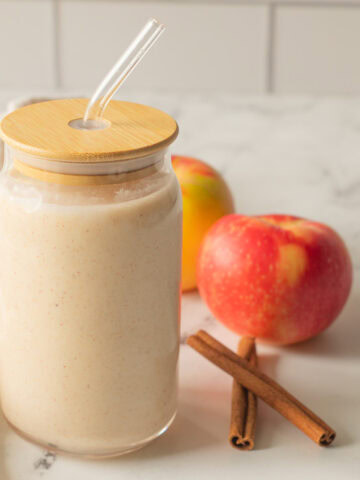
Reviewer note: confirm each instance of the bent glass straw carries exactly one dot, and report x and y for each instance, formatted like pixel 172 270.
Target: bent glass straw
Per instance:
pixel 122 69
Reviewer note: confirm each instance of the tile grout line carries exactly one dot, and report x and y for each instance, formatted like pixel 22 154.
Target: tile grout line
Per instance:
pixel 56 43
pixel 282 3
pixel 311 4
pixel 270 50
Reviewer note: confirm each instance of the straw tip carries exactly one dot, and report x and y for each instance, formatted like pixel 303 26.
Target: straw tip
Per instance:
pixel 156 22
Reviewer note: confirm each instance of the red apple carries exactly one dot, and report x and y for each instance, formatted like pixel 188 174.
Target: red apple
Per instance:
pixel 280 278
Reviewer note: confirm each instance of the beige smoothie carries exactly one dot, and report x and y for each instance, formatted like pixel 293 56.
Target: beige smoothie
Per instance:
pixel 89 286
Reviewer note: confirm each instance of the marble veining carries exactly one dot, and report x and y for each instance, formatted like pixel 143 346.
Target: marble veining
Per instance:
pixel 279 155
pixel 45 462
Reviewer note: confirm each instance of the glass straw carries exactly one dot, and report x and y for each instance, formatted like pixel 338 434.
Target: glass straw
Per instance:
pixel 121 70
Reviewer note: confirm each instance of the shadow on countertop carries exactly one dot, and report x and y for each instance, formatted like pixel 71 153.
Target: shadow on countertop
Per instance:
pixel 342 339
pixel 184 435
pixel 4 432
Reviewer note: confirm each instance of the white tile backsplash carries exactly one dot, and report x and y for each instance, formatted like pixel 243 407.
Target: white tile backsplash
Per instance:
pixel 316 50
pixel 26 44
pixel 250 46
pixel 205 46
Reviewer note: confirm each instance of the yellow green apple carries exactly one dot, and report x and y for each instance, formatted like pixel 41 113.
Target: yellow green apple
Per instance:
pixel 206 198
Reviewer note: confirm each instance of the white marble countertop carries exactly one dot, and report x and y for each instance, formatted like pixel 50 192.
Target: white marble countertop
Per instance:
pixel 299 156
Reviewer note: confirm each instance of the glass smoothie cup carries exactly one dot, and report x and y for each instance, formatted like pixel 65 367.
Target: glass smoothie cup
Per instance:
pixel 90 248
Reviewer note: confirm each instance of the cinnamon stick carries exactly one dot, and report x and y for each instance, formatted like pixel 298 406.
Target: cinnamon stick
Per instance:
pixel 243 403
pixel 264 387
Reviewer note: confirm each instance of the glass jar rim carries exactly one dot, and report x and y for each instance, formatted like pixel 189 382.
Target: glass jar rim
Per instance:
pixel 112 167
pixel 72 174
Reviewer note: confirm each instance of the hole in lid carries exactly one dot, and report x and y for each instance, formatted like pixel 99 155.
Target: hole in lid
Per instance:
pixel 91 124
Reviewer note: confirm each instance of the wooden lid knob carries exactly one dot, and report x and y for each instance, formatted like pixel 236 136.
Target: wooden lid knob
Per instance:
pixel 43 130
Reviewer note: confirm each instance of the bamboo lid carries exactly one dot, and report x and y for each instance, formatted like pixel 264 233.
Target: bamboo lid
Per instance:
pixel 43 130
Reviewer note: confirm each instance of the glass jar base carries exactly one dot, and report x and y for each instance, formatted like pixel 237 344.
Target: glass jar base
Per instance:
pixel 91 455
